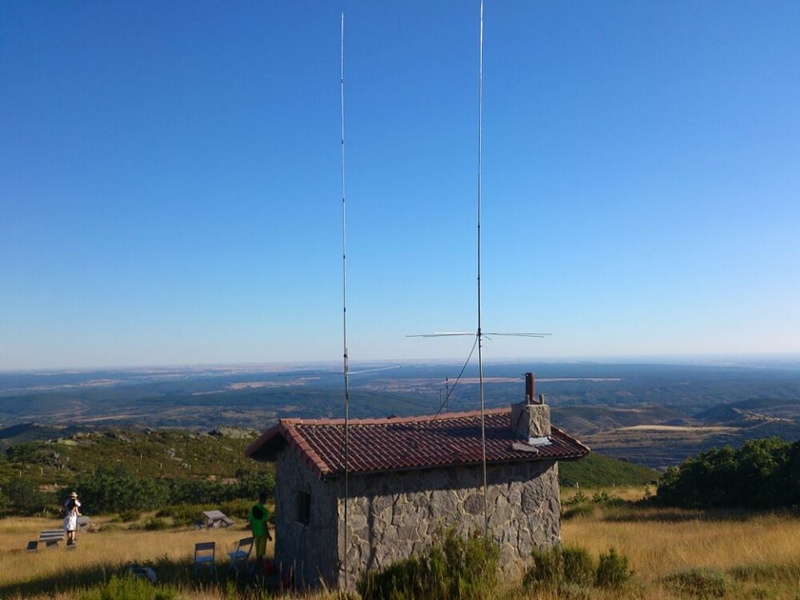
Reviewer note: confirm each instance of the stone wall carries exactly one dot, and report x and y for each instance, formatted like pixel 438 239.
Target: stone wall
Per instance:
pixel 307 549
pixel 392 516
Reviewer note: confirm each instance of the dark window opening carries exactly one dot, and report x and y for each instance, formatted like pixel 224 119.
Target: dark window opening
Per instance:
pixel 303 506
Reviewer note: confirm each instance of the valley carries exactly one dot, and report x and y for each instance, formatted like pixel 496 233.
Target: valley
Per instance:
pixel 655 415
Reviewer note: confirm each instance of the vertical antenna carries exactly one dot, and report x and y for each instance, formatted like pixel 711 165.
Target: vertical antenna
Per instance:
pixel 344 308
pixel 479 333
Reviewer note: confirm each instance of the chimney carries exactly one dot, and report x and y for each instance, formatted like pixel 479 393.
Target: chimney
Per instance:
pixel 530 387
pixel 530 421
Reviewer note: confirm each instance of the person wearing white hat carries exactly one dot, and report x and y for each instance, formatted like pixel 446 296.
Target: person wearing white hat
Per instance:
pixel 71 507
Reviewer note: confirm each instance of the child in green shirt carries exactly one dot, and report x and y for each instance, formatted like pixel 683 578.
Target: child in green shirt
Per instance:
pixel 259 515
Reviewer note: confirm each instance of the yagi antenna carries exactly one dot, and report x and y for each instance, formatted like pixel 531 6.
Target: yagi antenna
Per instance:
pixel 479 334
pixel 483 334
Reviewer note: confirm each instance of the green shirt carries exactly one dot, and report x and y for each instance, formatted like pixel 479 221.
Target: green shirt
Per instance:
pixel 258 520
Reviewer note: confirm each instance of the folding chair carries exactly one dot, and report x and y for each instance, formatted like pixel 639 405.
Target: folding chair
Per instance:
pixel 241 556
pixel 204 555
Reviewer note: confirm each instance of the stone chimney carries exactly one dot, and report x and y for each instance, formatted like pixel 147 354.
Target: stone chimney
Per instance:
pixel 530 420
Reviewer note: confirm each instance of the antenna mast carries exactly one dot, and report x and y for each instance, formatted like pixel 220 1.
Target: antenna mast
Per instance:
pixel 344 309
pixel 479 333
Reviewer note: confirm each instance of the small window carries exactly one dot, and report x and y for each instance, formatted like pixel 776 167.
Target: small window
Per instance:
pixel 303 508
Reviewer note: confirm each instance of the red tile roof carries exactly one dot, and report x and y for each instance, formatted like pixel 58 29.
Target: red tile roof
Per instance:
pixel 377 445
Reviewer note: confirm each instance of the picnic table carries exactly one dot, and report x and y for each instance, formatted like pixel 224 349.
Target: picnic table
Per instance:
pixel 216 518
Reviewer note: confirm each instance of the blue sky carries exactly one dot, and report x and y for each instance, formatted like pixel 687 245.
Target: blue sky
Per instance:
pixel 170 180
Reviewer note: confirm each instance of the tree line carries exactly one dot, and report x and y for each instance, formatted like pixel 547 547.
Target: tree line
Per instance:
pixel 762 474
pixel 109 491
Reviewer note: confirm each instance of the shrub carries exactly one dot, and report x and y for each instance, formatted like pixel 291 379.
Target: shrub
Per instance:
pixel 579 567
pixel 547 570
pixel 25 498
pixel 402 580
pixel 129 588
pixel 152 524
pixel 699 583
pixel 612 570
pixel 763 473
pixel 455 568
pixel 130 515
pixel 579 498
pixel 603 498
pixel 578 510
pixel 182 515
pixel 572 568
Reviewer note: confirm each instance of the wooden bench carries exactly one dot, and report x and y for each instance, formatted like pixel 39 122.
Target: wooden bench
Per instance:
pixel 51 537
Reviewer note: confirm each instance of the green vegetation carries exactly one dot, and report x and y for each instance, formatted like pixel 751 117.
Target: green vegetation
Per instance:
pixel 597 470
pixel 699 583
pixel 119 472
pixel 763 473
pixel 572 568
pixel 581 505
pixel 612 570
pixel 454 568
pixel 131 472
pixel 145 452
pixel 129 588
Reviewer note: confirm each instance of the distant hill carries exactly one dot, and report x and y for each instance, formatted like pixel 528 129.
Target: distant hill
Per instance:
pixel 660 439
pixel 582 420
pixel 596 470
pixel 30 432
pixel 57 460
pixel 651 414
pixel 215 454
pixel 753 412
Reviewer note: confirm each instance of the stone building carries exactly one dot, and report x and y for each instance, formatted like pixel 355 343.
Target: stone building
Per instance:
pixel 408 478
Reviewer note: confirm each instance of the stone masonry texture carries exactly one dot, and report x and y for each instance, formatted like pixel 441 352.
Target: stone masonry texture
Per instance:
pixel 393 515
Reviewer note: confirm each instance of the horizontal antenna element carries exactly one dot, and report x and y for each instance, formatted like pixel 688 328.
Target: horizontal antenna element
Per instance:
pixel 483 333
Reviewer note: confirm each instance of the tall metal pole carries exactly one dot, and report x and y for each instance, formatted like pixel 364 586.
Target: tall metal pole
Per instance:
pixel 344 312
pixel 479 333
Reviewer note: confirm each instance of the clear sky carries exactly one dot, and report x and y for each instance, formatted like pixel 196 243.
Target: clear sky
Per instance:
pixel 170 179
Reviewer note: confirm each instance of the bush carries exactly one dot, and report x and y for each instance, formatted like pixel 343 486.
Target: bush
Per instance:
pixel 699 583
pixel 763 473
pixel 129 588
pixel 130 515
pixel 578 511
pixel 455 568
pixel 402 580
pixel 153 524
pixel 23 497
pixel 574 568
pixel 547 570
pixel 612 571
pixel 579 567
pixel 603 498
pixel 182 515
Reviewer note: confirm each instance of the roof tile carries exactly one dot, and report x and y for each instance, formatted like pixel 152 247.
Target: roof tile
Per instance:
pixel 377 445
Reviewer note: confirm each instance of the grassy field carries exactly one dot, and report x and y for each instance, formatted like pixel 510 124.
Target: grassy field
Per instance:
pixel 674 554
pixel 63 572
pixel 694 554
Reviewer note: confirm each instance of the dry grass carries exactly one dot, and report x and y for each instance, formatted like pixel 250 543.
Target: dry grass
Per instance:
pixel 105 552
pixel 632 493
pixel 758 555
